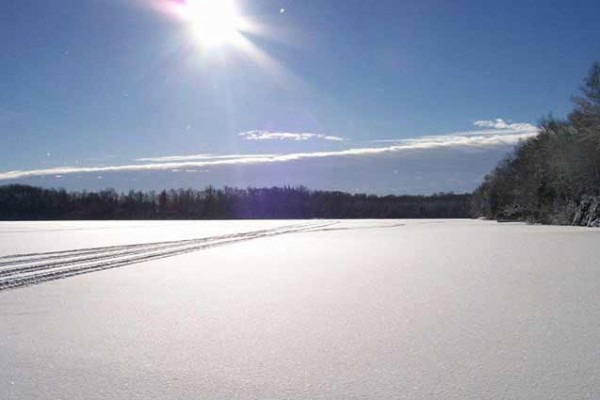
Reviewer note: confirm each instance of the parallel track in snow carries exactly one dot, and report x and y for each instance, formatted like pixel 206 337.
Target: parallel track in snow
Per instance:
pixel 20 270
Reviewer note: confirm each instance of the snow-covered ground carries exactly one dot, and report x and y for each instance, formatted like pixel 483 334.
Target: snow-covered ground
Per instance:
pixel 298 310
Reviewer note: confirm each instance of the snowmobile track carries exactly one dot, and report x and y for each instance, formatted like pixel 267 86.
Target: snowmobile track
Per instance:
pixel 20 270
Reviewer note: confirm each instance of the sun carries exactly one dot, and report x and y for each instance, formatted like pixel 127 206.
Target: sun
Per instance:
pixel 214 23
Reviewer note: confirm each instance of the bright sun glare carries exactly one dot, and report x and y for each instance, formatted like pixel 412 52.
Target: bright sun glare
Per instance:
pixel 214 22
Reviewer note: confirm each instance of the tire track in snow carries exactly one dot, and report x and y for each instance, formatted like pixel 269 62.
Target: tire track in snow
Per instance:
pixel 18 259
pixel 21 270
pixel 28 256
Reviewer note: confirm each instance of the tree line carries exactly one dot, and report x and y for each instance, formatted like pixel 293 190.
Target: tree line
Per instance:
pixel 22 202
pixel 549 176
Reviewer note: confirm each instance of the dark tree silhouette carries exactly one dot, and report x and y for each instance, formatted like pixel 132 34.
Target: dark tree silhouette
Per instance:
pixel 20 202
pixel 549 176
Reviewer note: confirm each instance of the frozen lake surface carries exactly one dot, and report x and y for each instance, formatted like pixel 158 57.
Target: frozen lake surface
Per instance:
pixel 400 309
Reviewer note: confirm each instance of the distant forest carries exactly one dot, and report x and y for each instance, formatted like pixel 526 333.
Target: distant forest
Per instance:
pixel 20 202
pixel 554 177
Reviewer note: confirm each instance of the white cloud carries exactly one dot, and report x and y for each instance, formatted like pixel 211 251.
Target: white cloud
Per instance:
pixel 502 125
pixel 266 135
pixel 496 131
pixel 502 135
pixel 200 157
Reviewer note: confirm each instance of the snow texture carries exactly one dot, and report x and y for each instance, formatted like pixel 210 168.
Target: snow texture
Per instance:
pixel 299 310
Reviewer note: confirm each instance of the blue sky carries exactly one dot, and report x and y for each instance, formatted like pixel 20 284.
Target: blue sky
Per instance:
pixel 376 96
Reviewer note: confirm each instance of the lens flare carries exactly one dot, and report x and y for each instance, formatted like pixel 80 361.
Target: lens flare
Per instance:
pixel 214 23
pixel 219 24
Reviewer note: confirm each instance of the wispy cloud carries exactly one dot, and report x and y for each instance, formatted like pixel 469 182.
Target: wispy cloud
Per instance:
pixel 500 135
pixel 496 132
pixel 266 135
pixel 502 125
pixel 200 157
